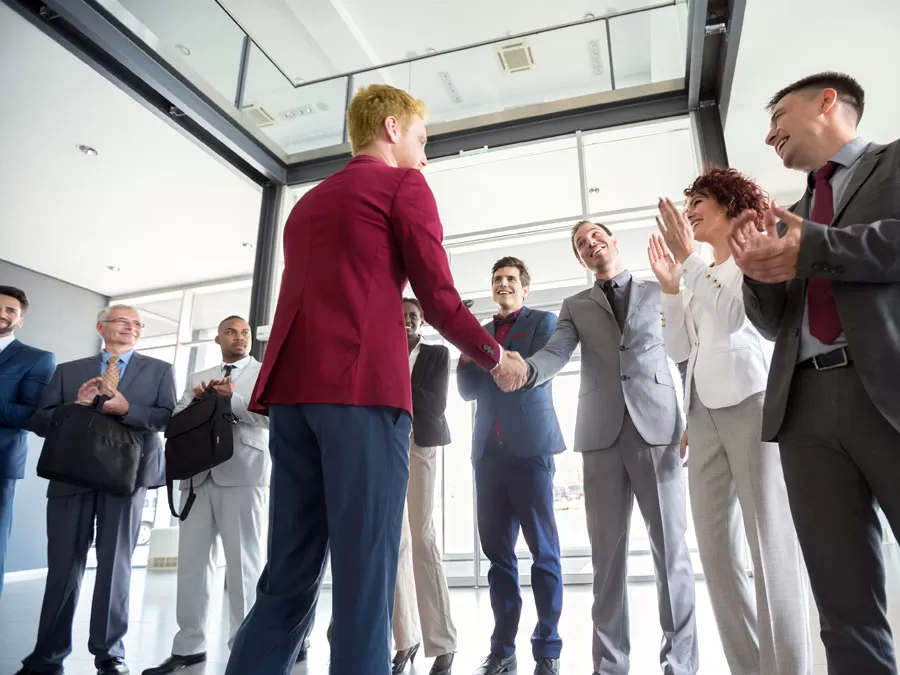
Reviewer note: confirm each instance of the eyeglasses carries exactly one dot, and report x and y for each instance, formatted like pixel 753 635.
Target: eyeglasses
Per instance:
pixel 125 322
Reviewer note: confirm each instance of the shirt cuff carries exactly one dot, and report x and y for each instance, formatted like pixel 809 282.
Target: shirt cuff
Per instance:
pixel 498 360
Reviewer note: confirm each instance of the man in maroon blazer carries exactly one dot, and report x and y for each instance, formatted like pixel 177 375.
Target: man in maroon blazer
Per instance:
pixel 336 387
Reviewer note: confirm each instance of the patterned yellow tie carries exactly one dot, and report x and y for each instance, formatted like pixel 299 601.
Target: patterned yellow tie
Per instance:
pixel 111 375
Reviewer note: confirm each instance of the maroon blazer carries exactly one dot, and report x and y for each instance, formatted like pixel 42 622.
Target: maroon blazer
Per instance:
pixel 349 245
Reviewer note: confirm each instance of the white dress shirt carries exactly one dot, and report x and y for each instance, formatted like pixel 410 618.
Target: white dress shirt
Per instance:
pixel 705 323
pixel 239 367
pixel 413 355
pixel 7 341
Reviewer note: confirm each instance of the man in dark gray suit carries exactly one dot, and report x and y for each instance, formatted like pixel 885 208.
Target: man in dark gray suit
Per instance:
pixel 828 292
pixel 628 428
pixel 142 393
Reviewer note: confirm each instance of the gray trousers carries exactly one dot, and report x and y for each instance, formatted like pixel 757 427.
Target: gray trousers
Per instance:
pixel 613 478
pixel 840 455
pixel 737 491
pixel 70 530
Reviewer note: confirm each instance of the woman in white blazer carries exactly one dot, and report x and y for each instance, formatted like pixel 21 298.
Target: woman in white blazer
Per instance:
pixel 736 482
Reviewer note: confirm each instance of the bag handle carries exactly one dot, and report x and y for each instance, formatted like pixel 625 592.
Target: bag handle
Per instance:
pixel 187 505
pixel 99 401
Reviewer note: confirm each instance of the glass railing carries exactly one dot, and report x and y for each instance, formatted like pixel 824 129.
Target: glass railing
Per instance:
pixel 463 87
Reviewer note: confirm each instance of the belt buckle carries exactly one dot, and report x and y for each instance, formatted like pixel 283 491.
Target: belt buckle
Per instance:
pixel 844 362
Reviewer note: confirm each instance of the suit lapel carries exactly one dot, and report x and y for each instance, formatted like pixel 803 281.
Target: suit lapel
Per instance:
pixel 131 371
pixel 635 295
pixel 421 364
pixel 517 327
pixel 598 296
pixel 862 172
pixel 14 348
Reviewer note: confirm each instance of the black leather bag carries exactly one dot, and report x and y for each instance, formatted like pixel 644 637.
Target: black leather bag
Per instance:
pixel 197 439
pixel 90 449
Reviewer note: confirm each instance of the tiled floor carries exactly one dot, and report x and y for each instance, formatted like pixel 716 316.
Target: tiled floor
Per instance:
pixel 153 625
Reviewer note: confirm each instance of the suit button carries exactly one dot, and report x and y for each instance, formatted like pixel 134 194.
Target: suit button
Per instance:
pixel 817 266
pixel 625 377
pixel 795 332
pixel 622 348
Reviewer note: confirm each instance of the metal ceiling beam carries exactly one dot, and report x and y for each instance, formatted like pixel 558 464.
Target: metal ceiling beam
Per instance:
pixel 629 111
pixel 88 32
pixel 710 137
pixel 727 62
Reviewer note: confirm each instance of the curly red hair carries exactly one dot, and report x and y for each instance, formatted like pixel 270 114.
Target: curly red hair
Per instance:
pixel 734 191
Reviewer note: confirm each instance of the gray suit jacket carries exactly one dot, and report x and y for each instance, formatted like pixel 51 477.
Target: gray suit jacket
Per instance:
pixel 149 387
pixel 860 253
pixel 619 369
pixel 250 465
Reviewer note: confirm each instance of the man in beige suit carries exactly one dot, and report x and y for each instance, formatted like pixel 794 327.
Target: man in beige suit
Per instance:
pixel 230 503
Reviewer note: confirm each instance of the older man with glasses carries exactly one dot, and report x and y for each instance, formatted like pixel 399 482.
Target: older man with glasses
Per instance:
pixel 142 395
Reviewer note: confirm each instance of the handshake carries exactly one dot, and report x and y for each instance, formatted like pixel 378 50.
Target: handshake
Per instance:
pixel 511 373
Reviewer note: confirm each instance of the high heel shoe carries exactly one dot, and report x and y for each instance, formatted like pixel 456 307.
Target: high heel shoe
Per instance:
pixel 442 664
pixel 400 664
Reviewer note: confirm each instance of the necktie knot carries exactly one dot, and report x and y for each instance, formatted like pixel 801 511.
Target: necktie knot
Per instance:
pixel 111 374
pixel 228 368
pixel 823 174
pixel 113 360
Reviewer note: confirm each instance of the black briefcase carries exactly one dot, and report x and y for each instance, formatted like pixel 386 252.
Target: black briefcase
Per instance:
pixel 90 449
pixel 198 438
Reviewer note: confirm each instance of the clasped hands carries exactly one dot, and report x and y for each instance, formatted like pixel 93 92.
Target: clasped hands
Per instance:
pixel 757 249
pixel 512 373
pixel 97 386
pixel 224 387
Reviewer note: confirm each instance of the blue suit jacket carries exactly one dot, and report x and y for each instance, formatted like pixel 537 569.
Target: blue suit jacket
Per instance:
pixel 24 372
pixel 527 418
pixel 149 386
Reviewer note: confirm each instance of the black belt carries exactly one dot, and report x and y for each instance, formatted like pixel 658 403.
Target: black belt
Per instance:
pixel 839 358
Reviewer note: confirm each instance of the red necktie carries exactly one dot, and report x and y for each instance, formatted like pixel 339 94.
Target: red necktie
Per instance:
pixel 824 320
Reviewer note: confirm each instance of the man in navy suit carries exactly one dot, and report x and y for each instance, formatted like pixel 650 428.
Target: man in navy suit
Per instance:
pixel 24 372
pixel 142 396
pixel 515 438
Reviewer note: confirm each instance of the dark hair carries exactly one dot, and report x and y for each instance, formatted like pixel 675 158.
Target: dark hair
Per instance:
pixel 415 302
pixel 510 261
pixel 848 90
pixel 233 317
pixel 16 293
pixel 732 190
pixel 577 226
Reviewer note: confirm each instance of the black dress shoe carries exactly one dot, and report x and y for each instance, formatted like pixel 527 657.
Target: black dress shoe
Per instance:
pixel 113 667
pixel 301 657
pixel 546 667
pixel 29 671
pixel 399 665
pixel 175 663
pixel 495 665
pixel 442 665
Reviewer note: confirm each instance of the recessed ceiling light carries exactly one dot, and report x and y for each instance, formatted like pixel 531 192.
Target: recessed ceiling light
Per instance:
pixel 246 244
pixel 589 16
pixel 411 55
pixel 321 105
pixel 88 150
pixel 430 50
pixel 113 268
pixel 184 50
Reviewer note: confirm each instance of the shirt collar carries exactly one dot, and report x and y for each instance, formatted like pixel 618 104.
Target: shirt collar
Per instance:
pixel 7 341
pixel 415 350
pixel 621 279
pixel 238 365
pixel 850 153
pixel 123 358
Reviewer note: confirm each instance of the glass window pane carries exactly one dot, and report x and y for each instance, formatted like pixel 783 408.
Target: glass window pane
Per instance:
pixel 459 488
pixel 649 46
pixel 202 36
pixel 549 66
pixel 526 184
pixel 568 483
pixel 160 317
pixel 211 308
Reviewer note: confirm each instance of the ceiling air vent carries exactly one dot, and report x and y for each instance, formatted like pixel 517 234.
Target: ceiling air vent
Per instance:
pixel 515 57
pixel 258 116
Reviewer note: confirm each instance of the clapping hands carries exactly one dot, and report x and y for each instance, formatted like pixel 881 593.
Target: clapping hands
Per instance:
pixel 512 373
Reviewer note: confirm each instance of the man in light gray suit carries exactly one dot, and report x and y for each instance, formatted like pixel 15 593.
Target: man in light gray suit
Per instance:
pixel 142 391
pixel 629 428
pixel 230 503
pixel 828 292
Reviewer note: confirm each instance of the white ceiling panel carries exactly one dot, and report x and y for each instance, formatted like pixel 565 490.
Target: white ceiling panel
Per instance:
pixel 153 204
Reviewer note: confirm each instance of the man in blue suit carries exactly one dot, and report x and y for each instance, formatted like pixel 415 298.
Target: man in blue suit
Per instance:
pixel 515 438
pixel 142 396
pixel 24 372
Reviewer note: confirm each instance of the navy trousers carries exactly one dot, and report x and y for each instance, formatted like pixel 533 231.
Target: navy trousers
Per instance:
pixel 7 497
pixel 339 478
pixel 514 492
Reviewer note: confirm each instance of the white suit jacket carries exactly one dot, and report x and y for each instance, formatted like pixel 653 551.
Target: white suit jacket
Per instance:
pixel 728 360
pixel 250 466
